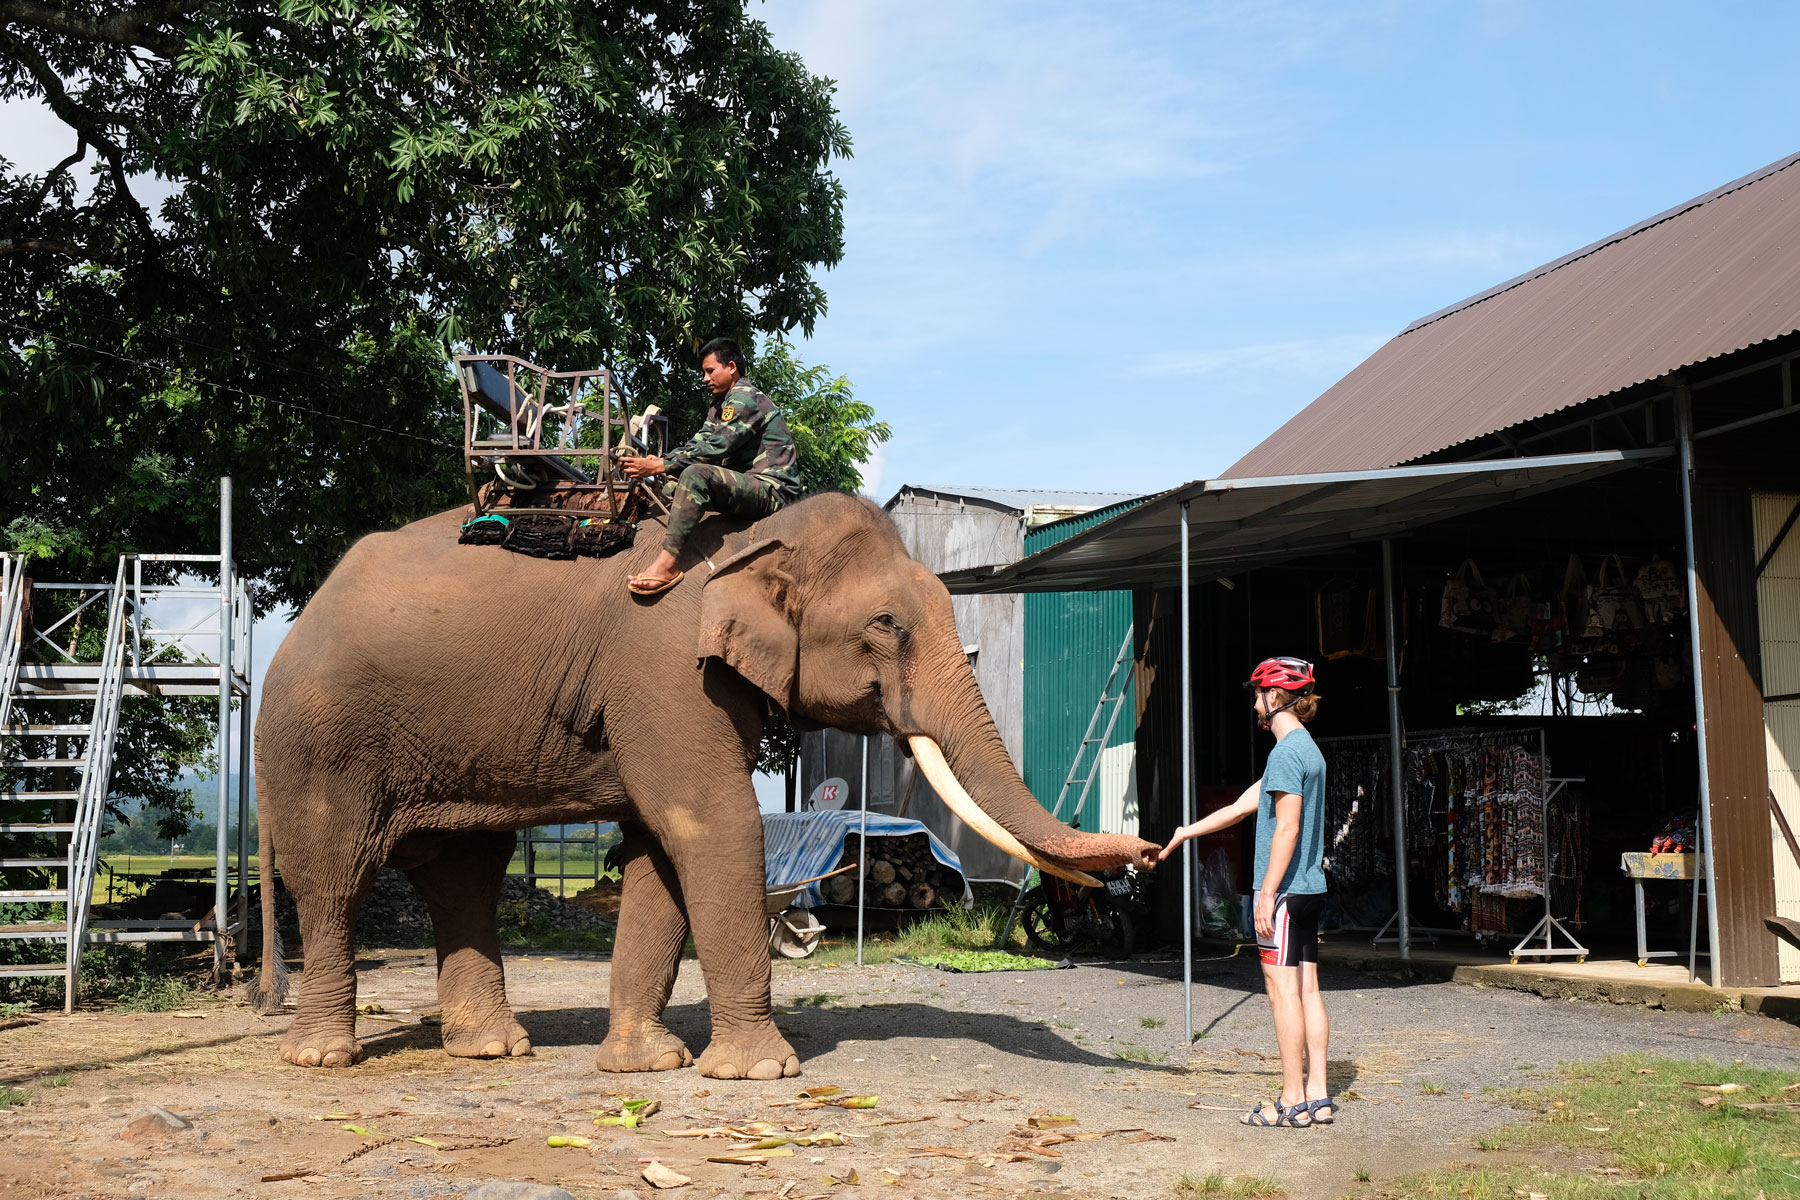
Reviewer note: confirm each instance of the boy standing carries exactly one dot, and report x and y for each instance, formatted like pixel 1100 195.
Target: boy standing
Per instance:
pixel 1289 803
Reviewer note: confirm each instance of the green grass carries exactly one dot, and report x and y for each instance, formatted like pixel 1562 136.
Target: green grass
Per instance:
pixel 1429 1088
pixel 11 1097
pixel 61 1079
pixel 1152 1022
pixel 541 935
pixel 816 1000
pixel 1132 1053
pixel 948 930
pixel 1626 1127
pixel 1244 1187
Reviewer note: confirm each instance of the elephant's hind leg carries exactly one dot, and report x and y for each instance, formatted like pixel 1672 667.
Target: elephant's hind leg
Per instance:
pixel 646 956
pixel 461 886
pixel 323 1033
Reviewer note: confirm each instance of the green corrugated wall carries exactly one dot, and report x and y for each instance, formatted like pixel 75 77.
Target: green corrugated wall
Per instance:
pixel 1071 639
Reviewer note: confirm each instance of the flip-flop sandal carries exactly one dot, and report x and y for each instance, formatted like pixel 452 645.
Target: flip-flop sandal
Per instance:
pixel 1313 1107
pixel 657 588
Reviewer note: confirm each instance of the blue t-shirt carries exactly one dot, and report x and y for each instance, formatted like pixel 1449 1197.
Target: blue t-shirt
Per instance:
pixel 1295 765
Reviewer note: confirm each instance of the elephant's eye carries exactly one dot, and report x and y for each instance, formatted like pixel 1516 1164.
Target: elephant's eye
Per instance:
pixel 892 626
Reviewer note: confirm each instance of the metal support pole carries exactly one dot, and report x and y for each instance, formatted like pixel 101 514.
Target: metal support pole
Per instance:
pixel 862 850
pixel 1684 437
pixel 220 919
pixel 1394 763
pixel 243 807
pixel 1187 789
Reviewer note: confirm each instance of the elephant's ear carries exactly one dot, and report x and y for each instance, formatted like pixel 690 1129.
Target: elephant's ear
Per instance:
pixel 744 619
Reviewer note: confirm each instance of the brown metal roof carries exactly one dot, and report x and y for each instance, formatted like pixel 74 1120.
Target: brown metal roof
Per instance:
pixel 1706 278
pixel 1236 524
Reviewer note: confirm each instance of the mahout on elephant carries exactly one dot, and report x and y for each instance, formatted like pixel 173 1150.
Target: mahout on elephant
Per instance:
pixel 434 698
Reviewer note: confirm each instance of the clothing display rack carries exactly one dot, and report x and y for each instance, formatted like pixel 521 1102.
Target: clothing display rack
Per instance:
pixel 1548 926
pixel 1475 808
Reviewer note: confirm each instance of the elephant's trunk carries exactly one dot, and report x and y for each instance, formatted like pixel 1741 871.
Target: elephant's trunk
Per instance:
pixel 966 763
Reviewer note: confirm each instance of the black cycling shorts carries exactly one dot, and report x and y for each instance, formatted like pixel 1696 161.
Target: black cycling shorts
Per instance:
pixel 1296 933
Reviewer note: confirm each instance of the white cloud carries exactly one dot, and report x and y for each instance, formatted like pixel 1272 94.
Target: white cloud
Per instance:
pixel 1337 353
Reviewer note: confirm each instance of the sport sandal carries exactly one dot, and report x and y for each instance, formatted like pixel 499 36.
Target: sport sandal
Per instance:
pixel 1298 1116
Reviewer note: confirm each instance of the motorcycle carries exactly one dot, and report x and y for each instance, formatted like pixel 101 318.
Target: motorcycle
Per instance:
pixel 1062 917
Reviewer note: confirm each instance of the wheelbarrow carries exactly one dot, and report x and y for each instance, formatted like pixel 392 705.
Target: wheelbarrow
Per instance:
pixel 794 932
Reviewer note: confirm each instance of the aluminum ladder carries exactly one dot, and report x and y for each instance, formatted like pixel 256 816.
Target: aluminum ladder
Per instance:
pixel 32 815
pixel 1112 700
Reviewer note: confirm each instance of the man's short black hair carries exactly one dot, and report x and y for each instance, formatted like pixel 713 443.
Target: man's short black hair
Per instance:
pixel 726 351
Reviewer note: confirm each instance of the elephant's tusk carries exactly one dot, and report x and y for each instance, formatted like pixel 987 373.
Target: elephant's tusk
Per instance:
pixel 943 781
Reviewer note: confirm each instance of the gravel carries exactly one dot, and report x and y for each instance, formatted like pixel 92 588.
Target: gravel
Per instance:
pixel 959 1061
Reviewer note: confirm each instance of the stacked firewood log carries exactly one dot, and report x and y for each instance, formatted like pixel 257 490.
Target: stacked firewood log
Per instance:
pixel 900 873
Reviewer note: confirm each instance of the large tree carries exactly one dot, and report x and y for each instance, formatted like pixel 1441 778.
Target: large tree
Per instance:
pixel 346 190
pixel 275 220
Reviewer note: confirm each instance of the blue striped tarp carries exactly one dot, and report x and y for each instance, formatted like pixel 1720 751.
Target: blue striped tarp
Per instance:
pixel 801 845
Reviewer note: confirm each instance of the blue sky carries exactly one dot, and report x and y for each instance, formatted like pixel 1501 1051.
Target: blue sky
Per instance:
pixel 1112 246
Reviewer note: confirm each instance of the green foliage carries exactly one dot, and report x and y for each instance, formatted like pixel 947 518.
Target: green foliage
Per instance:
pixel 834 433
pixel 155 994
pixel 354 189
pixel 11 1097
pixel 978 961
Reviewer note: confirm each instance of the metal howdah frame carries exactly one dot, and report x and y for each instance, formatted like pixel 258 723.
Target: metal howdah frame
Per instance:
pixel 522 427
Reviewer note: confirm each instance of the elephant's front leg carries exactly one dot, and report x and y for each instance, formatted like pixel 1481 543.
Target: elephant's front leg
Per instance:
pixel 646 956
pixel 718 854
pixel 461 886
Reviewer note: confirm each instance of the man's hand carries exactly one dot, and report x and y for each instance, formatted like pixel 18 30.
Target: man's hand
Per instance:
pixel 1265 915
pixel 640 466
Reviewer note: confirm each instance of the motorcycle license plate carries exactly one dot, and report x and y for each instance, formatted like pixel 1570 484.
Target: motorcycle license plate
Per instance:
pixel 1119 887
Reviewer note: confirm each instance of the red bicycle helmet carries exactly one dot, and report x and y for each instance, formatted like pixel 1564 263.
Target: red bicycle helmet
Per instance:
pixel 1288 674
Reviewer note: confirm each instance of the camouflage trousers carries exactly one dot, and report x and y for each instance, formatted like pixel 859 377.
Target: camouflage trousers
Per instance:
pixel 705 488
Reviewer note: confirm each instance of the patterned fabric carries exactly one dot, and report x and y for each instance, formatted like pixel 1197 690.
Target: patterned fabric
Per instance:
pixel 705 488
pixel 744 432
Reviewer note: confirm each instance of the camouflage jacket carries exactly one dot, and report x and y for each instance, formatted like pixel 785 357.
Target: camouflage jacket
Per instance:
pixel 744 431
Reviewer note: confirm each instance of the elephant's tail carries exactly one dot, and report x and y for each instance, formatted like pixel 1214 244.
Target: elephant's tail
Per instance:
pixel 270 988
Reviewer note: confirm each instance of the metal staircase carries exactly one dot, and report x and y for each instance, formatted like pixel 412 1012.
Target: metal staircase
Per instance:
pixel 1083 768
pixel 49 832
pixel 55 774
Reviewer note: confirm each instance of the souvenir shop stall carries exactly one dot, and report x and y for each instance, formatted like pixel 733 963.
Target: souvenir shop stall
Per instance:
pixel 1546 731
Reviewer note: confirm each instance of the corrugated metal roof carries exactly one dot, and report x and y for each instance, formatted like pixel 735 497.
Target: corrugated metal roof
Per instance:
pixel 1709 277
pixel 1236 524
pixel 1017 499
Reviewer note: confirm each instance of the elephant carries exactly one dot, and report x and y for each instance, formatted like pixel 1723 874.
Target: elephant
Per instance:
pixel 433 698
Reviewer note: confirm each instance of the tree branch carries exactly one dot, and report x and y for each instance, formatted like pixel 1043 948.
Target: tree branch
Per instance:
pixel 12 230
pixel 134 27
pixel 84 123
pixel 49 246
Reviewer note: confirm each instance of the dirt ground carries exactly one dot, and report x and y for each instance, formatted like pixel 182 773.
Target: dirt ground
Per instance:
pixel 960 1063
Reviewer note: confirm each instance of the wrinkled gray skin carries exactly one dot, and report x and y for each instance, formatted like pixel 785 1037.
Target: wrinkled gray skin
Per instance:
pixel 433 698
